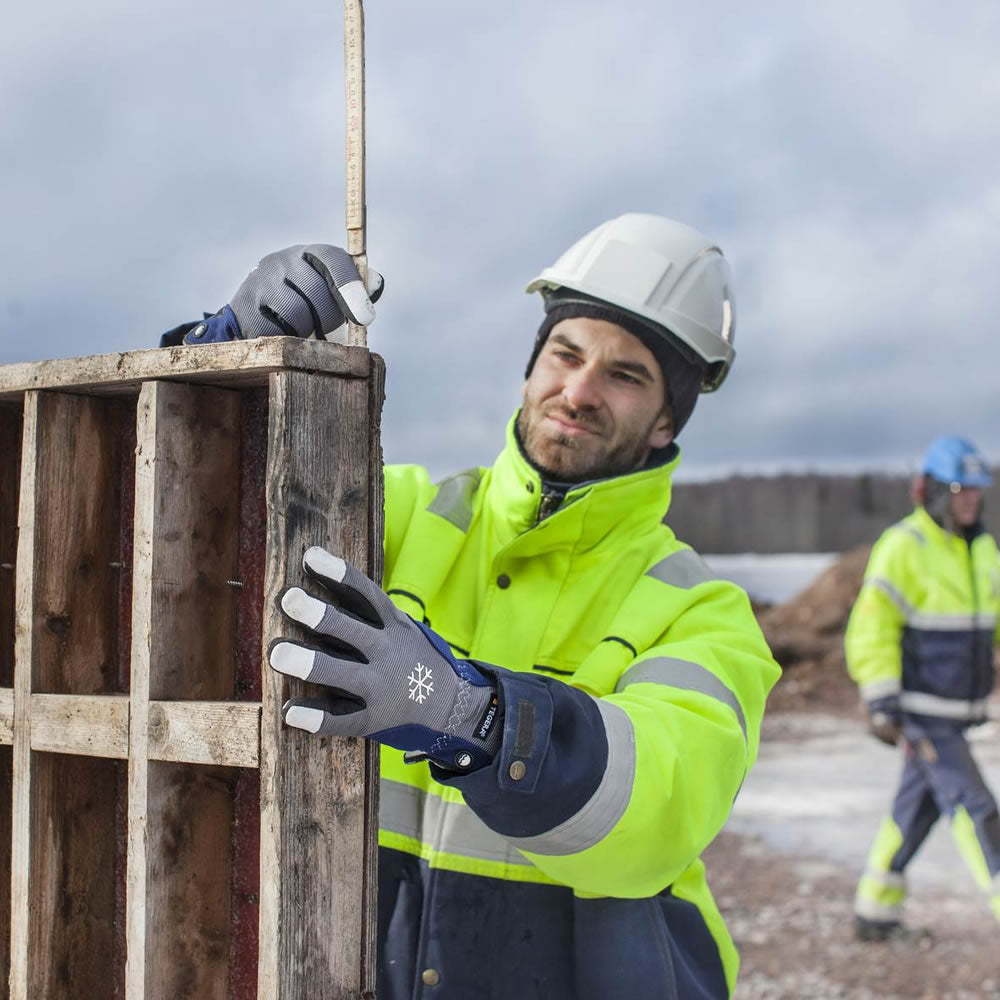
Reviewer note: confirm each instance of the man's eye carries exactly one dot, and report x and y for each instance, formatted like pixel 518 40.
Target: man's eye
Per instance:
pixel 626 377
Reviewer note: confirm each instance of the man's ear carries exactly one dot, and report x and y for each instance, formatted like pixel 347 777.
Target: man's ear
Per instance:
pixel 663 430
pixel 918 490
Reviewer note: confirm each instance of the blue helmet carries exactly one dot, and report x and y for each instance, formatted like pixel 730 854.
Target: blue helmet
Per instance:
pixel 955 460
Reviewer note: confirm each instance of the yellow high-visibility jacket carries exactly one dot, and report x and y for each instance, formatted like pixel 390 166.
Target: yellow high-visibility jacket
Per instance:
pixel 925 621
pixel 633 688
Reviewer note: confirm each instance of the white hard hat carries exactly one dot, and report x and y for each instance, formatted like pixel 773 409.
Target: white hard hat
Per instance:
pixel 665 273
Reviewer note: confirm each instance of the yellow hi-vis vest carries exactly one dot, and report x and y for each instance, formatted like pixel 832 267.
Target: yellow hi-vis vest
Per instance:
pixel 602 597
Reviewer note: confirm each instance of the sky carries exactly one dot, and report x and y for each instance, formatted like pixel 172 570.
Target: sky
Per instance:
pixel 844 156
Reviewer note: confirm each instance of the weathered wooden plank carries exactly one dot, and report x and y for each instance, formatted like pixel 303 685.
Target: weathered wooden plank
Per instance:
pixel 11 430
pixel 86 725
pixel 252 543
pixel 6 804
pixel 245 909
pixel 6 716
pixel 199 732
pixel 21 757
pixel 240 363
pixel 74 862
pixel 189 879
pixel 245 896
pixel 75 557
pixel 186 548
pixel 376 531
pixel 10 476
pixel 66 641
pixel 195 479
pixel 145 527
pixel 313 874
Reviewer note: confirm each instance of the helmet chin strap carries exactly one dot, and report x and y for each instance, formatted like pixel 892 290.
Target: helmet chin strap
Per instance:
pixel 937 502
pixel 936 499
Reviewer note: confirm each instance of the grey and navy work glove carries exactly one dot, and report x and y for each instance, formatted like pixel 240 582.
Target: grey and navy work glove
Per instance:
pixel 885 719
pixel 309 290
pixel 389 678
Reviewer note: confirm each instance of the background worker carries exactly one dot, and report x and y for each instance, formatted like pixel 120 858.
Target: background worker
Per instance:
pixel 919 643
pixel 568 700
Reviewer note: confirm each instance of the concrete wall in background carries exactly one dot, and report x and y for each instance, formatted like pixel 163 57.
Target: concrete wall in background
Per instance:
pixel 794 513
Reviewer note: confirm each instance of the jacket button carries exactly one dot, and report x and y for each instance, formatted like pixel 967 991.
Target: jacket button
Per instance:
pixel 517 770
pixel 503 581
pixel 530 487
pixel 430 977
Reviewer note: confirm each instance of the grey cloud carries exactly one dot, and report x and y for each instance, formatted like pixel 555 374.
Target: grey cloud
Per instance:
pixel 843 155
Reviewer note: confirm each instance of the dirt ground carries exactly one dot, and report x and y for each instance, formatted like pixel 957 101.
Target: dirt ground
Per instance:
pixel 790 909
pixel 791 918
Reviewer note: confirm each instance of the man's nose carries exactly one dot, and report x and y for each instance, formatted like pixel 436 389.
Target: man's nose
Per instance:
pixel 582 388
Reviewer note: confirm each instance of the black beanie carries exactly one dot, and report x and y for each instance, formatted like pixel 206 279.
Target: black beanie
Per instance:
pixel 681 376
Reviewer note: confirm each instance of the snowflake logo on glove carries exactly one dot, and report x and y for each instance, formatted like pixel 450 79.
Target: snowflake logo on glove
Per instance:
pixel 363 652
pixel 421 683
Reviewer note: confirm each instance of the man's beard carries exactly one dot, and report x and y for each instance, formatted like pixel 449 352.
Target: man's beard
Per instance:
pixel 560 458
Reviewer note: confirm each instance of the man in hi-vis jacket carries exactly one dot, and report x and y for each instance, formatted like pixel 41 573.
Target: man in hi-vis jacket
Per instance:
pixel 568 699
pixel 920 645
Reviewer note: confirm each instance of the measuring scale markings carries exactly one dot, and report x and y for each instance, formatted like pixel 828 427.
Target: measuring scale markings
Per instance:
pixel 355 123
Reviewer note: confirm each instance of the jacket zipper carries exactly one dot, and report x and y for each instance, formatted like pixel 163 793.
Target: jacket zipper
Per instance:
pixel 549 503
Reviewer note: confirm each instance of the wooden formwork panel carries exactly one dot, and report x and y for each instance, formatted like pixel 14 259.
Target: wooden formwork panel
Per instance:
pixel 164 836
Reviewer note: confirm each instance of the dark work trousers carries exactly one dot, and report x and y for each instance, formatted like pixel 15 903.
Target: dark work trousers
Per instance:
pixel 940 776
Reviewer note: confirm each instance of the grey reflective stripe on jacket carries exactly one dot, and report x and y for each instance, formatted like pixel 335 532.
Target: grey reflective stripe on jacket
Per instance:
pixel 409 811
pixel 920 703
pixel 600 814
pixel 952 623
pixel 454 500
pixel 961 622
pixel 881 689
pixel 685 675
pixel 892 592
pixel 913 532
pixel 684 569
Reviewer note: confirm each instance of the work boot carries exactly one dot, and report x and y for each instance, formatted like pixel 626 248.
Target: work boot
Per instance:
pixel 891 930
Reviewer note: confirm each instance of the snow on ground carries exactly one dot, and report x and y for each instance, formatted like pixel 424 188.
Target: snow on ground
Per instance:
pixel 774 578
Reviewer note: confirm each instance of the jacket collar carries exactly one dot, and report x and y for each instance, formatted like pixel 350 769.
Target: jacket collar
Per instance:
pixel 934 529
pixel 591 512
pixel 927 525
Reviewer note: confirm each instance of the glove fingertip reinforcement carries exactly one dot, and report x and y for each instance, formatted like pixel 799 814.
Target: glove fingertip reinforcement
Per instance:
pixel 302 716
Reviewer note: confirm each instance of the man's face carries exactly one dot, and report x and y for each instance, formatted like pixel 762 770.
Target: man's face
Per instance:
pixel 594 402
pixel 964 506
